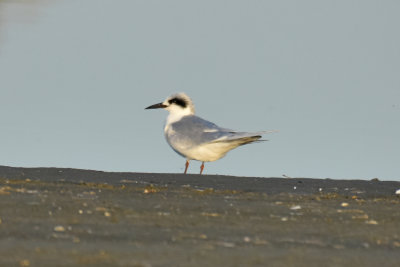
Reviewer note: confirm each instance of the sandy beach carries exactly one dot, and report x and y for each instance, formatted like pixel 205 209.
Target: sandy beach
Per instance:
pixel 71 217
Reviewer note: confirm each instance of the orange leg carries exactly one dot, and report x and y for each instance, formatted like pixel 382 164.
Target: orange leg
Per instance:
pixel 201 167
pixel 186 166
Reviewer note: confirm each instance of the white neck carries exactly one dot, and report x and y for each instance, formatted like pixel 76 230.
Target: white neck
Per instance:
pixel 175 115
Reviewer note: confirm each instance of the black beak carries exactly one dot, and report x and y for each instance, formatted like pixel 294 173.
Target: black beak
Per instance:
pixel 159 105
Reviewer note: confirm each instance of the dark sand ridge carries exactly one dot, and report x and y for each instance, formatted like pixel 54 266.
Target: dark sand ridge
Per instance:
pixel 70 217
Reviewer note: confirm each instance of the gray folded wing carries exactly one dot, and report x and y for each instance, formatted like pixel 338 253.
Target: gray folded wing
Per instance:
pixel 193 131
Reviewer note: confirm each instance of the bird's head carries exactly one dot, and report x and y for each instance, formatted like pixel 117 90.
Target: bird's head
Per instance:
pixel 177 104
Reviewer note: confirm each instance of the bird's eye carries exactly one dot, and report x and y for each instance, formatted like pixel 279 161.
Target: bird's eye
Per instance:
pixel 180 102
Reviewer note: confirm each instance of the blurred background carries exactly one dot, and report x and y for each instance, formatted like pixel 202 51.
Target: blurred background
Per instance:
pixel 75 77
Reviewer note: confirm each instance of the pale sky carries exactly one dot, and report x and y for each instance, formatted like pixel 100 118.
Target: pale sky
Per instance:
pixel 76 76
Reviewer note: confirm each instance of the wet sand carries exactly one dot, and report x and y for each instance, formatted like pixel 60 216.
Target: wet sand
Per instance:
pixel 70 217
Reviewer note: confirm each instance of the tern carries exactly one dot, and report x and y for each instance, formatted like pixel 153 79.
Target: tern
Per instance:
pixel 195 138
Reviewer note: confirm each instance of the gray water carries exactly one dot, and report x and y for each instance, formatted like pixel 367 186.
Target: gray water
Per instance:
pixel 76 76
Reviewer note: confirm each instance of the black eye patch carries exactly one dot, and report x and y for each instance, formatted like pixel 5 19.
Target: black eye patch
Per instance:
pixel 178 101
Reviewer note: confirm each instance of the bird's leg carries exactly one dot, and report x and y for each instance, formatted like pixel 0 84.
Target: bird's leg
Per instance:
pixel 201 167
pixel 186 166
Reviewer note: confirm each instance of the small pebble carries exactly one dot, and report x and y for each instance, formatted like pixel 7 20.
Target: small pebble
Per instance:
pixel 107 214
pixel 371 222
pixel 246 239
pixel 398 192
pixel 344 204
pixel 297 207
pixel 226 244
pixel 210 214
pixel 203 236
pixel 24 263
pixel 59 228
pixel 338 246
